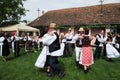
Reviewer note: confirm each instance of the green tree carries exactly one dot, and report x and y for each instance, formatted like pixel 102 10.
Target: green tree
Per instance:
pixel 11 11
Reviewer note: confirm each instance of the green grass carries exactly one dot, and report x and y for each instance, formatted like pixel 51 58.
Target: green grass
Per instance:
pixel 22 68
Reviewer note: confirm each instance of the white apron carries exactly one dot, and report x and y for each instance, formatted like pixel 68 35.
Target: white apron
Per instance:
pixel 42 58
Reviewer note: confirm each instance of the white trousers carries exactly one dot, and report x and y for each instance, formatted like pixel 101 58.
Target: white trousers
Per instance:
pixel 78 52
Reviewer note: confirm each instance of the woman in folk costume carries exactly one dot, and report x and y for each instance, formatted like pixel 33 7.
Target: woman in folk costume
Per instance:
pixel 35 42
pixel 69 41
pixel 51 47
pixel 63 41
pixel 15 44
pixel 28 42
pixel 86 57
pixel 78 47
pixel 40 45
pixel 5 47
pixel 118 42
pixel 111 50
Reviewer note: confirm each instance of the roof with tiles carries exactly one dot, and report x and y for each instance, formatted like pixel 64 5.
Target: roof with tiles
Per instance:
pixel 81 16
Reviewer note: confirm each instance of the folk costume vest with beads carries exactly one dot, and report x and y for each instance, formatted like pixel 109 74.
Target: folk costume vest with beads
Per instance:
pixel 55 45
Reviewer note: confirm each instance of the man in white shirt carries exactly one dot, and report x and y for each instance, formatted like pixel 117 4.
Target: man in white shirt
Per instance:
pixel 78 47
pixel 52 41
pixel 100 39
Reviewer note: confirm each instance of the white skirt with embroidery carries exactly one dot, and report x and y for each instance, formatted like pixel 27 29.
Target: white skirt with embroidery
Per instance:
pixel 111 51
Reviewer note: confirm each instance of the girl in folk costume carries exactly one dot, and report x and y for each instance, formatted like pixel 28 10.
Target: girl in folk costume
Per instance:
pixel 35 41
pixel 78 47
pixel 5 47
pixel 86 57
pixel 111 51
pixel 28 42
pixel 15 44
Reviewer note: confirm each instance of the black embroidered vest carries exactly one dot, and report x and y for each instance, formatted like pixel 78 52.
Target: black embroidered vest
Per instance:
pixel 55 45
pixel 78 43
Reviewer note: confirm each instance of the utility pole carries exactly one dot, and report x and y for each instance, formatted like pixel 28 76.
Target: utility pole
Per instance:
pixel 38 12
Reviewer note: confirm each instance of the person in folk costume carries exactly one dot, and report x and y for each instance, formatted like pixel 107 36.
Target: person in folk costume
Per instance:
pixel 69 37
pixel 43 58
pixel 100 39
pixel 52 48
pixel 1 42
pixel 93 40
pixel 5 46
pixel 63 40
pixel 78 47
pixel 35 42
pixel 118 42
pixel 40 45
pixel 61 50
pixel 113 37
pixel 73 42
pixel 28 42
pixel 86 56
pixel 111 50
pixel 15 44
pixel 109 34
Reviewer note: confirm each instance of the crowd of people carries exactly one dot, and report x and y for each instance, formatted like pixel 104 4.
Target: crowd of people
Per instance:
pixel 64 44
pixel 82 43
pixel 8 40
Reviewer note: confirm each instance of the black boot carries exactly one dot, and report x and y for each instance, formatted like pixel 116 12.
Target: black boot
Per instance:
pixel 86 71
pixel 15 54
pixel 77 63
pixel 79 66
pixel 110 59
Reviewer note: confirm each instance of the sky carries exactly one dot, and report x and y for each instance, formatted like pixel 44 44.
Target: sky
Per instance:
pixel 47 5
